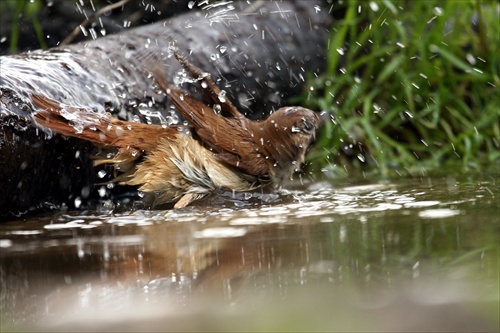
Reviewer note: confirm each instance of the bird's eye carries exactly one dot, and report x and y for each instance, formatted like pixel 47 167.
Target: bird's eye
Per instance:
pixel 308 126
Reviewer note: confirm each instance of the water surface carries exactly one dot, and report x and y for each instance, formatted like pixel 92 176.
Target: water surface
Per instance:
pixel 412 254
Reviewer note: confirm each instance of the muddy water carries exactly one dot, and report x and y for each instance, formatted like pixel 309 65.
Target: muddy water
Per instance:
pixel 413 254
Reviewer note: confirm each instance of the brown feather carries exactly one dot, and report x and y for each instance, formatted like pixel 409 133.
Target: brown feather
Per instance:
pixel 100 129
pixel 232 138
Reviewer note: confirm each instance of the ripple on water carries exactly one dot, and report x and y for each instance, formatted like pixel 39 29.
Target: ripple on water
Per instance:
pixel 438 213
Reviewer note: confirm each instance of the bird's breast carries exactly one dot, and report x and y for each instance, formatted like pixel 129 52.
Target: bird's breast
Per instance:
pixel 182 165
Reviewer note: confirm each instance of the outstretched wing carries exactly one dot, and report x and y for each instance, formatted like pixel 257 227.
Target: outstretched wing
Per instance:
pixel 233 138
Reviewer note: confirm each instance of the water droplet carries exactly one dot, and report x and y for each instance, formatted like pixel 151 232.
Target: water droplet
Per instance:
pixel 408 113
pixel 374 6
pixel 470 58
pixel 217 108
pixel 102 173
pixel 438 11
pixel 77 126
pixel 93 33
pixel 102 191
pixel 222 96
pixel 84 31
pixel 191 4
pixel 78 202
pixel 223 49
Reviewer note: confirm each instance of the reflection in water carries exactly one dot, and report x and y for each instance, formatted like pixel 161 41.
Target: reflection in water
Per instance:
pixel 402 256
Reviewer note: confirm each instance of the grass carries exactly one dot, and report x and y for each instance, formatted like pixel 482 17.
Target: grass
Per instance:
pixel 410 85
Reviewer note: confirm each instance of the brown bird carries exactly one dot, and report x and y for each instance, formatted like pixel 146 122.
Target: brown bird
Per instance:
pixel 220 148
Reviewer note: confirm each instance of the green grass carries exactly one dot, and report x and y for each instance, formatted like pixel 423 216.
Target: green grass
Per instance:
pixel 410 85
pixel 24 11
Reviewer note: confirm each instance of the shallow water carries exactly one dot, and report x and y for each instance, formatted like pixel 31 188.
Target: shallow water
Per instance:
pixel 413 254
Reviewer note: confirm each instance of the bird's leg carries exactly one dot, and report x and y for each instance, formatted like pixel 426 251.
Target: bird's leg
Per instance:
pixel 187 199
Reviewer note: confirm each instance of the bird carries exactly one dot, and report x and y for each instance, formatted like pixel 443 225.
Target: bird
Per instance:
pixel 218 148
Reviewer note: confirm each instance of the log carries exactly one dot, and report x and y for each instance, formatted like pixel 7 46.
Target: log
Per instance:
pixel 258 52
